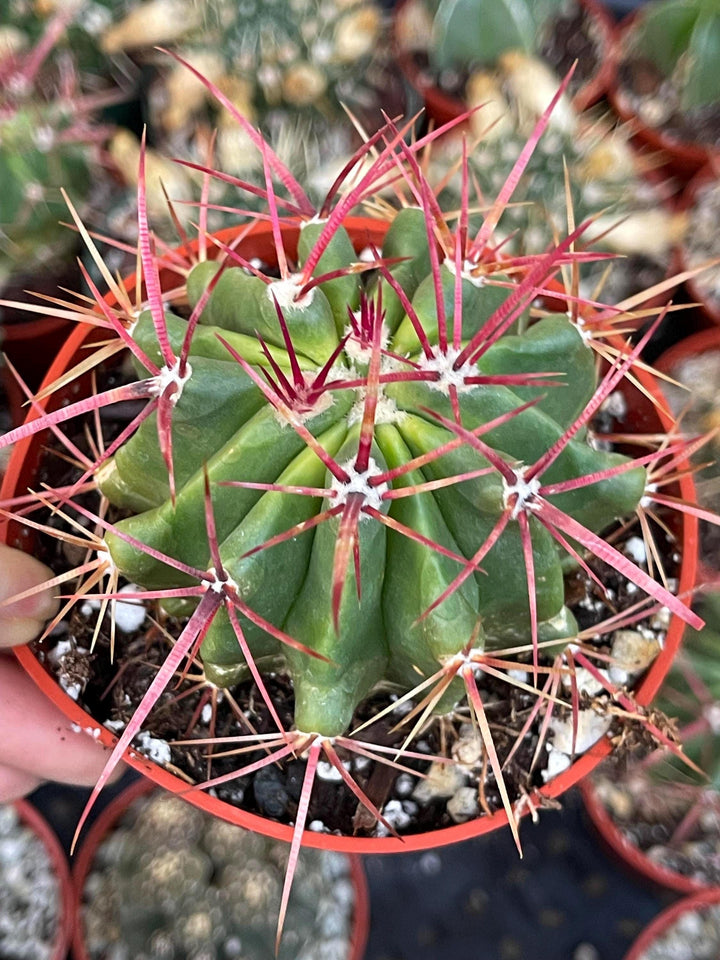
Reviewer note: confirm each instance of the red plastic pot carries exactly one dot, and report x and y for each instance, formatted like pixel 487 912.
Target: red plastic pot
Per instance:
pixel 681 158
pixel 21 472
pixel 662 923
pixel 631 855
pixel 442 107
pixel 105 823
pixel 694 346
pixel 34 820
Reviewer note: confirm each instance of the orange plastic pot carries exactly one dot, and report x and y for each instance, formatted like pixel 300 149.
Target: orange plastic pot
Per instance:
pixel 693 346
pixel 664 921
pixel 679 157
pixel 643 417
pixel 629 853
pixel 103 826
pixel 33 819
pixel 442 107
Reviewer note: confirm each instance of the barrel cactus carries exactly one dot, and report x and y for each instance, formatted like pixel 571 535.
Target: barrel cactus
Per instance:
pixel 364 460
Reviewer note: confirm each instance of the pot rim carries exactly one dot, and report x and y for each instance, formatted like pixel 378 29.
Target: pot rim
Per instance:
pixel 710 310
pixel 695 344
pixel 31 817
pixel 117 807
pixel 668 917
pixel 443 107
pixel 644 692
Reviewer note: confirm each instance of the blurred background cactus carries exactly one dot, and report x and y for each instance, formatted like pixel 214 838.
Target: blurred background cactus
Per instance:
pixel 171 881
pixel 681 39
pixel 475 33
pixel 449 41
pixel 49 131
pixel 288 67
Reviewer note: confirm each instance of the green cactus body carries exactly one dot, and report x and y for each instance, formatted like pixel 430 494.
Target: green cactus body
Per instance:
pixel 376 632
pixel 682 39
pixel 478 31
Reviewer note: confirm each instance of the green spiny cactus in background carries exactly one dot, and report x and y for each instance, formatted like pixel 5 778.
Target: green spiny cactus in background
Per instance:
pixel 308 54
pixel 469 33
pixel 48 139
pixel 170 881
pixel 289 67
pixel 682 39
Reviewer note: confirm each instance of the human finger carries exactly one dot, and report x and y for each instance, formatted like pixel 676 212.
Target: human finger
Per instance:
pixel 15 783
pixel 22 575
pixel 36 738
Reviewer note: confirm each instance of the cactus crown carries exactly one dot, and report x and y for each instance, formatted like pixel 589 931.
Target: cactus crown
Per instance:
pixel 682 39
pixel 477 32
pixel 364 483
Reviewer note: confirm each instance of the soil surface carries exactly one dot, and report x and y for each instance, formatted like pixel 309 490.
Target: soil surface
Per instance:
pixel 192 709
pixel 652 815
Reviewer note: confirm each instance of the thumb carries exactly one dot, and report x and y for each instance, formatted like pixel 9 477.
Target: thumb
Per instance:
pixel 21 620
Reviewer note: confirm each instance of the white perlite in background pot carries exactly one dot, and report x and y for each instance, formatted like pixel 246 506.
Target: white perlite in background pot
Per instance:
pixel 29 892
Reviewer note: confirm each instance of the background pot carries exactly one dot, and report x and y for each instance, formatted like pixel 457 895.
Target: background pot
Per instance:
pixel 642 417
pixel 662 923
pixel 708 573
pixel 116 809
pixel 629 853
pixel 679 157
pixel 31 818
pixel 710 309
pixel 441 107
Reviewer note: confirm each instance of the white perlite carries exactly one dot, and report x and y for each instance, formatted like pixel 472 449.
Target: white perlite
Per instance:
pixel 153 748
pixel 29 892
pixel 128 615
pixel 591 727
pixel 635 549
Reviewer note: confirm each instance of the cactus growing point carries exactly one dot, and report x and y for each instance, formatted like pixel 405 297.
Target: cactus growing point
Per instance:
pixel 363 484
